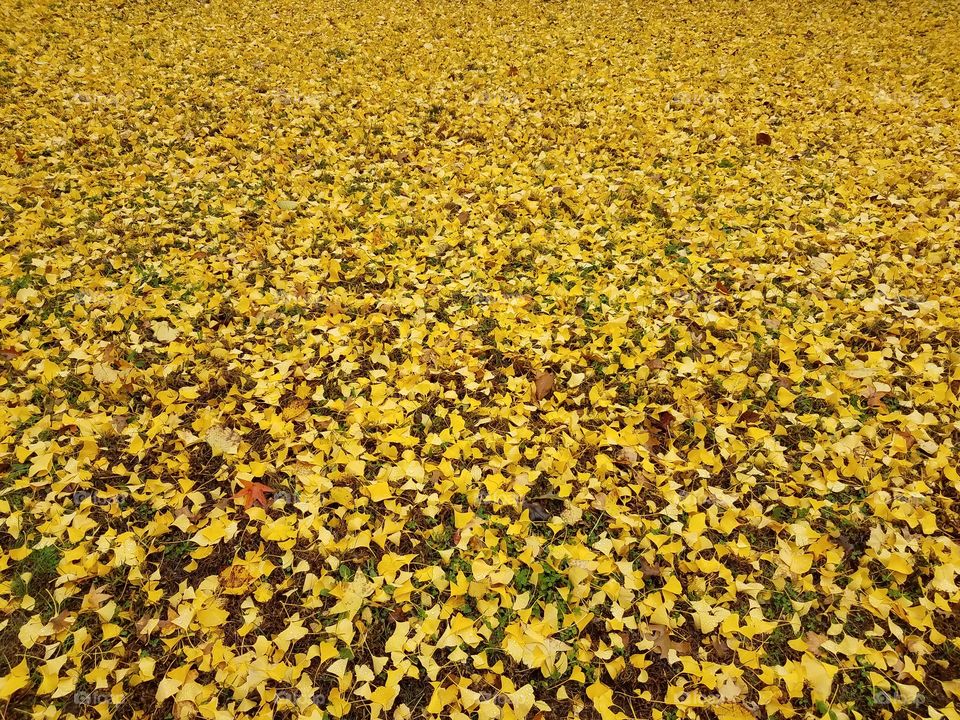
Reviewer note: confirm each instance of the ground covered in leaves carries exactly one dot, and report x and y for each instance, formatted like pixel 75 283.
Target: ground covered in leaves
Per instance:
pixel 479 360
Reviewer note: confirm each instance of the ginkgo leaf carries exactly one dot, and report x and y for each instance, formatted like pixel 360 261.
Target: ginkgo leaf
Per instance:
pixel 105 373
pixel 732 711
pixel 443 362
pixel 522 699
pixel 50 673
pixel 223 440
pixel 164 332
pixel 235 579
pixel 795 559
pixel 17 679
pixel 167 688
pixel 602 697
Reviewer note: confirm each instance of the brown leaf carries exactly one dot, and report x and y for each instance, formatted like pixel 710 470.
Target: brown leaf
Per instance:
pixel 844 542
pixel 721 648
pixel 764 139
pixel 142 624
pixel 94 599
pixel 538 513
pixel 908 438
pixel 873 397
pixel 627 456
pixel 814 641
pixel 876 400
pixel 429 357
pixel 663 643
pixel 184 511
pixel 653 441
pixel 543 385
pixel 649 570
pixel 63 621
pixel 663 422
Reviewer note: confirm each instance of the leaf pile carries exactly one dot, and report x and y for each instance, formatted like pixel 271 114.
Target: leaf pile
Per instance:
pixel 475 360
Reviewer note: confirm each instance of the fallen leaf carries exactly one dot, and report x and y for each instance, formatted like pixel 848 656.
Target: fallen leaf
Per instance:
pixel 721 648
pixel 732 711
pixel 17 679
pixel 663 643
pixel 543 385
pixel 253 492
pixel 235 579
pixel 223 440
pixel 164 332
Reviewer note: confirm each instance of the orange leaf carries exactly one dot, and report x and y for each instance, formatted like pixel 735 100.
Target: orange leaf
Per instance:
pixel 253 492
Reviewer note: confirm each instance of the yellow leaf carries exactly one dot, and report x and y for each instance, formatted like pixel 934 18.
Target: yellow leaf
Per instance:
pixel 163 331
pixel 104 373
pixel 819 676
pixel 794 558
pixel 17 679
pixel 784 397
pixel 223 440
pixel 50 672
pixel 522 700
pixel 379 491
pixel 442 698
pixel 735 383
pixel 732 711
pixel 167 688
pixel 602 698
pixel 385 696
pixel 399 637
pixel 212 616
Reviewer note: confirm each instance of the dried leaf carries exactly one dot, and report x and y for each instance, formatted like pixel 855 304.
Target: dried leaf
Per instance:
pixel 543 385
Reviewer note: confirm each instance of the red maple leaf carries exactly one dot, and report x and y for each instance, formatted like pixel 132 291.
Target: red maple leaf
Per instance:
pixel 253 492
